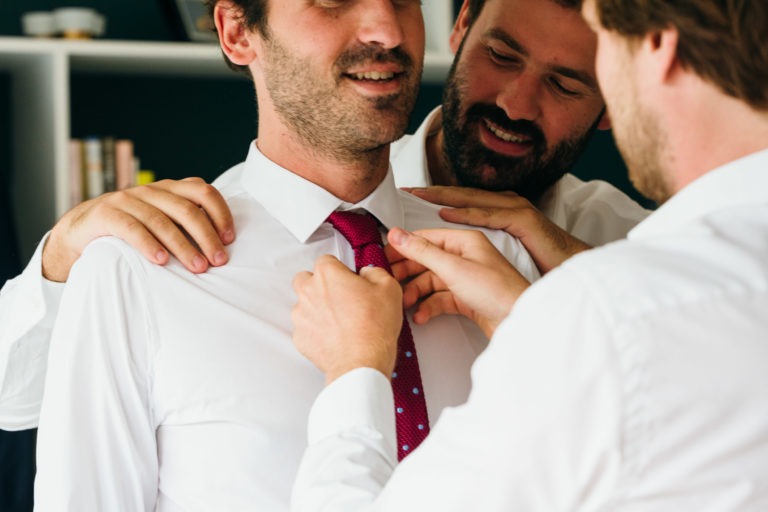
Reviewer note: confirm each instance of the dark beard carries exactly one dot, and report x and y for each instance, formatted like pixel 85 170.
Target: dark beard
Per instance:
pixel 474 165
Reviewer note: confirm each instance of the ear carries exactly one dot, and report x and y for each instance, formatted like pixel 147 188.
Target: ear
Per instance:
pixel 233 34
pixel 659 59
pixel 460 27
pixel 605 121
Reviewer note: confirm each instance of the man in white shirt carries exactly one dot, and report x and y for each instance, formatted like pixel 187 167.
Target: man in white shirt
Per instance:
pixel 593 212
pixel 632 377
pixel 169 390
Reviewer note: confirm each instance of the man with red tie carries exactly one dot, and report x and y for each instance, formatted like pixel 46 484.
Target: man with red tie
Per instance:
pixel 169 390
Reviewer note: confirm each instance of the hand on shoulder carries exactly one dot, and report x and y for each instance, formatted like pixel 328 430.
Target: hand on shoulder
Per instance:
pixel 548 244
pixel 187 218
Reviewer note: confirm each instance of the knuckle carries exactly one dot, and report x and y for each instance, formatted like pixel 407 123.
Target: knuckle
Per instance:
pixel 189 210
pixel 208 192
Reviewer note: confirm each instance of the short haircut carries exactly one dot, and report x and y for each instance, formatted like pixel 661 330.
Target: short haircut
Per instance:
pixel 475 6
pixel 254 16
pixel 722 41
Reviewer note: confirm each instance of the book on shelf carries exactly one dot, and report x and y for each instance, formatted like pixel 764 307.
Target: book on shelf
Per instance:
pixel 101 164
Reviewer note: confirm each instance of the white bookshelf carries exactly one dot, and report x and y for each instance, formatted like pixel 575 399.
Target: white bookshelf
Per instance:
pixel 40 72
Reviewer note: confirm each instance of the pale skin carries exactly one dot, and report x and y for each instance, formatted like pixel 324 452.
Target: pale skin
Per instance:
pixel 343 321
pixel 188 219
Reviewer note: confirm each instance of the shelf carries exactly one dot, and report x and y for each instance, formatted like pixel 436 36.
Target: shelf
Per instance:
pixel 150 58
pixel 41 71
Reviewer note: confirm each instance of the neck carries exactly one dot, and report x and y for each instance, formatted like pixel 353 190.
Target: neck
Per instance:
pixel 350 176
pixel 440 170
pixel 708 138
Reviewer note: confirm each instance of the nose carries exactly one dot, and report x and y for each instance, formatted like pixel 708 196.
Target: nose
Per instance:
pixel 380 23
pixel 521 96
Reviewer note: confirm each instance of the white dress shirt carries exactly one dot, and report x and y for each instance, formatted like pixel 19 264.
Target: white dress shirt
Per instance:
pixel 593 211
pixel 168 390
pixel 632 378
pixel 28 307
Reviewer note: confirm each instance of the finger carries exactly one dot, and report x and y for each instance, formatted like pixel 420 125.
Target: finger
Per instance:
pixel 377 276
pixel 131 230
pixel 419 250
pixel 420 287
pixel 163 208
pixel 461 197
pixel 327 263
pixel 391 253
pixel 441 303
pixel 515 221
pixel 406 269
pixel 300 280
pixel 439 250
pixel 161 223
pixel 208 198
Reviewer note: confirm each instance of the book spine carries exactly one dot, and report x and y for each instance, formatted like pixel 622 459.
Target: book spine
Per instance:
pixel 94 167
pixel 108 160
pixel 76 172
pixel 125 168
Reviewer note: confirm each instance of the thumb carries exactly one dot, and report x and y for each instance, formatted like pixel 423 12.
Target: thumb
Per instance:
pixel 375 275
pixel 422 251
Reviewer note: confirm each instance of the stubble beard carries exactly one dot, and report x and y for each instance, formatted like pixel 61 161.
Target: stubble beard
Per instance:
pixel 330 118
pixel 642 143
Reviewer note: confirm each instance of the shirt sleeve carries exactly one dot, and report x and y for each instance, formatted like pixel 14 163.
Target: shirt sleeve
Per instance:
pixel 541 431
pixel 96 441
pixel 29 304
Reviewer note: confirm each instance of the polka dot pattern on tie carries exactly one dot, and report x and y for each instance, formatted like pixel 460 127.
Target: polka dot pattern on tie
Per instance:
pixel 412 422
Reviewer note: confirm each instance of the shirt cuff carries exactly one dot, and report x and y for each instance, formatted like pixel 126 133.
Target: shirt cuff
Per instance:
pixel 361 398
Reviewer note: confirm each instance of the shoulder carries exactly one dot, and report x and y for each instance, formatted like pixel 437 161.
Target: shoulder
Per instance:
pixel 420 214
pixel 594 211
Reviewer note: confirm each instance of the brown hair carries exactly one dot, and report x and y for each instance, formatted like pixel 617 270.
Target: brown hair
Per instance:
pixel 723 41
pixel 475 6
pixel 253 14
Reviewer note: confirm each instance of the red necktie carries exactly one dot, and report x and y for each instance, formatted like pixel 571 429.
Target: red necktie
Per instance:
pixel 362 232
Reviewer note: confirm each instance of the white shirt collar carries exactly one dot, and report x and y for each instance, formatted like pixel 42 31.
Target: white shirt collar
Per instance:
pixel 413 149
pixel 741 182
pixel 302 206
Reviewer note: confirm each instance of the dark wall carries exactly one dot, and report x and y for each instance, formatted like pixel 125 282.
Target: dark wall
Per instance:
pixel 17 466
pixel 9 262
pixel 126 19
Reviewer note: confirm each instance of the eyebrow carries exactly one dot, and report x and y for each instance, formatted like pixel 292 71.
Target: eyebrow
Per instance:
pixel 565 71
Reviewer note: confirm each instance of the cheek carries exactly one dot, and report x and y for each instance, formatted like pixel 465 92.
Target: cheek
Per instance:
pixel 567 122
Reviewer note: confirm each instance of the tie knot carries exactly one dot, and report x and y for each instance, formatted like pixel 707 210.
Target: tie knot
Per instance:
pixel 359 229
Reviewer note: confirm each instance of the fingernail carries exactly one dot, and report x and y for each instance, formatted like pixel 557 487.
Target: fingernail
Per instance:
pixel 398 236
pixel 228 236
pixel 160 256
pixel 198 263
pixel 220 258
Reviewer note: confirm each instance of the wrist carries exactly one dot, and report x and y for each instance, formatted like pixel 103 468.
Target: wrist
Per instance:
pixel 385 368
pixel 56 263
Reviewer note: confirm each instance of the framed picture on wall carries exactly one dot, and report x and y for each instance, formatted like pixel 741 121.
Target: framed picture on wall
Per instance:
pixel 190 20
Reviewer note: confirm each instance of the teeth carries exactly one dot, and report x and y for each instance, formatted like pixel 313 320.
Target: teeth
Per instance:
pixel 508 137
pixel 374 75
